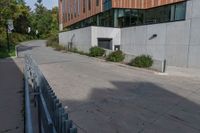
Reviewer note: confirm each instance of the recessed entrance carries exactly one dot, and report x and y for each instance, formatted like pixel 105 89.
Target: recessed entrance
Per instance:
pixel 105 43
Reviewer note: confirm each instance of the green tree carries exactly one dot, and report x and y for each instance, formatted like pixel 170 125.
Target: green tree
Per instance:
pixel 22 22
pixel 44 20
pixel 54 24
pixel 41 19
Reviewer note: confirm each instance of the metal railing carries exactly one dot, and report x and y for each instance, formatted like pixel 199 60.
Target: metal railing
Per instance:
pixel 52 117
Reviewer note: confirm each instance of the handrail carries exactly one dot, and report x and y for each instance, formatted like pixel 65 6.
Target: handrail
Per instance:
pixel 28 114
pixel 52 117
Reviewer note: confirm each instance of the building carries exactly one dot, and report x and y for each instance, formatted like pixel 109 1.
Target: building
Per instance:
pixel 76 14
pixel 165 29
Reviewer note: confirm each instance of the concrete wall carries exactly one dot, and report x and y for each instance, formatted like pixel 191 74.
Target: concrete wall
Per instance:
pixel 85 38
pixel 194 47
pixel 81 38
pixel 177 42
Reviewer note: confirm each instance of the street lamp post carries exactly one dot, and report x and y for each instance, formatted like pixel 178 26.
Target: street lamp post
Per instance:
pixel 37 34
pixel 9 28
pixel 8 40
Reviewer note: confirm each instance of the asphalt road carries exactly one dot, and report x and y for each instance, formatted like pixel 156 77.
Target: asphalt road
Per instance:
pixel 103 97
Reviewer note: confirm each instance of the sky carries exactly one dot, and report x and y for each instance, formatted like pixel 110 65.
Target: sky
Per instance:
pixel 48 3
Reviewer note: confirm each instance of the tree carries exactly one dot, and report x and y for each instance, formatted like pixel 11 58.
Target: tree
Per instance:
pixel 22 22
pixel 41 19
pixel 44 20
pixel 54 24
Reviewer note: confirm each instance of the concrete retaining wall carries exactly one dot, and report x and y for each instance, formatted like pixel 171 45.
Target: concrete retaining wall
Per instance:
pixel 172 41
pixel 81 38
pixel 85 38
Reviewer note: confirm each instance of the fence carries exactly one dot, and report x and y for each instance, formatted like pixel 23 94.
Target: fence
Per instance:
pixel 52 117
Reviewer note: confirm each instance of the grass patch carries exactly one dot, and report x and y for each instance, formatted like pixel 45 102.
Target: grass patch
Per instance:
pixel 4 52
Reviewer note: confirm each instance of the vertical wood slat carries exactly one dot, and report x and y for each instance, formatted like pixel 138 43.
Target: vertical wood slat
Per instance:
pixel 138 4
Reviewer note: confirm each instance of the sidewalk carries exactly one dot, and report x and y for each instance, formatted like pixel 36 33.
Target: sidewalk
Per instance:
pixel 11 96
pixel 183 72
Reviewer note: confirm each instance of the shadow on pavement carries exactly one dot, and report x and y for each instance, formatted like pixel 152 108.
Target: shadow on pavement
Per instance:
pixel 11 96
pixel 23 48
pixel 135 107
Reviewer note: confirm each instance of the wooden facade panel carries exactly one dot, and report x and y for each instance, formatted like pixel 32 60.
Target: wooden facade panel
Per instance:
pixel 141 4
pixel 72 7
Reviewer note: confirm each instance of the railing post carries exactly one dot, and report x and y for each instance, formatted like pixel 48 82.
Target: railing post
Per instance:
pixel 39 112
pixel 52 117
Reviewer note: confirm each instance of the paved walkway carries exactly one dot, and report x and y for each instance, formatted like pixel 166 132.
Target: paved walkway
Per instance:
pixel 103 97
pixel 11 97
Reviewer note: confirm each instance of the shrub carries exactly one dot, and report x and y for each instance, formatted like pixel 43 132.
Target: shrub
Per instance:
pixel 17 37
pixel 116 56
pixel 54 43
pixel 74 50
pixel 143 61
pixel 59 47
pixel 96 51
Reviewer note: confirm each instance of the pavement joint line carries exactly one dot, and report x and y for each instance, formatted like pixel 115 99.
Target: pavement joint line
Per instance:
pixel 56 62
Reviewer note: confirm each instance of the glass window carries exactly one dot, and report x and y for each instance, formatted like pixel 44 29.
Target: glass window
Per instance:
pixel 180 11
pixel 107 19
pixel 107 4
pixel 130 17
pixel 158 15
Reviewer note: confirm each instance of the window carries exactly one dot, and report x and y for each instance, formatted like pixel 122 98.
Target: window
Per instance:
pixel 165 13
pixel 107 18
pixel 180 11
pixel 158 15
pixel 107 4
pixel 130 17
